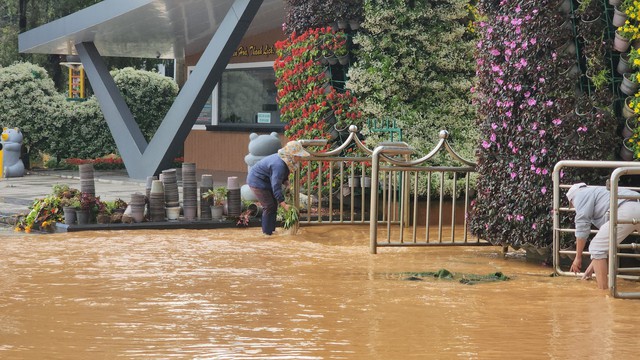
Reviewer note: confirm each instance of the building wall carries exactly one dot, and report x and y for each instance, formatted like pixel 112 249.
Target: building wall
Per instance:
pixel 218 151
pixel 224 151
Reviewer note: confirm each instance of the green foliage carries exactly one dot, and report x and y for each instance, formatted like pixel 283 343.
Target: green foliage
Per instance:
pixel 289 217
pixel 216 196
pixel 416 65
pixel 149 95
pixel 529 119
pixel 303 15
pixel 63 129
pixel 29 101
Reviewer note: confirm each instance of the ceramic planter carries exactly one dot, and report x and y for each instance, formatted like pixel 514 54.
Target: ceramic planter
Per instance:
pixel 626 153
pixel 620 43
pixel 69 215
pixel 354 181
pixel 173 213
pixel 623 64
pixel 627 112
pixel 83 216
pixel 619 17
pixel 628 86
pixel 344 60
pixel 629 126
pixel 217 211
pixel 365 181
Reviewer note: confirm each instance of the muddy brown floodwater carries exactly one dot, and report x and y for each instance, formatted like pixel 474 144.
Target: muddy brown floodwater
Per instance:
pixel 234 294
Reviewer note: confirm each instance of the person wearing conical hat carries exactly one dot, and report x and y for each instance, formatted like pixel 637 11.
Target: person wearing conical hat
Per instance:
pixel 592 208
pixel 267 177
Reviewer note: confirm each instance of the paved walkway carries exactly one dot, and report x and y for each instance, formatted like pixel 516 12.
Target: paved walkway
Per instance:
pixel 17 194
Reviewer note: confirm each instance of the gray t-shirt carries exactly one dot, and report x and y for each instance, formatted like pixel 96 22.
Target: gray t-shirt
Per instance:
pixel 592 204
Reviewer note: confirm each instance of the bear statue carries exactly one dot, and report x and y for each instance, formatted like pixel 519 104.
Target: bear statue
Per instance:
pixel 12 165
pixel 260 146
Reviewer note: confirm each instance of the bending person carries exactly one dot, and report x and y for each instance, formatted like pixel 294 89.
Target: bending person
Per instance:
pixel 267 177
pixel 592 206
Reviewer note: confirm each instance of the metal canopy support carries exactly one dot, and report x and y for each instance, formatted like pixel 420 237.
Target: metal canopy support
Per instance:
pixel 142 159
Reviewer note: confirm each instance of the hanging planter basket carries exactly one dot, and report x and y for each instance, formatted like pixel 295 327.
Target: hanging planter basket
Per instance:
pixel 621 43
pixel 626 153
pixel 619 17
pixel 628 86
pixel 623 64
pixel 627 112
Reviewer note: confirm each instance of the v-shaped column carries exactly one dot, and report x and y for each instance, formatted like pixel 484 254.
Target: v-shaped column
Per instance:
pixel 142 159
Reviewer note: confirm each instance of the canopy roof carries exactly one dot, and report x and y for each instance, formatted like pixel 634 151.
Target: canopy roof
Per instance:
pixel 165 29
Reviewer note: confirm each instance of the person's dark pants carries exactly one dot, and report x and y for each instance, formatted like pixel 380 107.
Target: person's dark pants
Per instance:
pixel 269 209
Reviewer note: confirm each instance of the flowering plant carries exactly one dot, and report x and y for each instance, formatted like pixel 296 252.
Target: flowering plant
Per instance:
pixel 634 103
pixel 634 58
pixel 305 96
pixel 629 31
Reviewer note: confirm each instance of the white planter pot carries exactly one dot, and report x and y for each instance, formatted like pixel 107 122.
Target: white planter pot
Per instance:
pixel 173 213
pixel 216 212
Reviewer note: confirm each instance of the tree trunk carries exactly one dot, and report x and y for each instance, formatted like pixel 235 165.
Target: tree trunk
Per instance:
pixel 22 23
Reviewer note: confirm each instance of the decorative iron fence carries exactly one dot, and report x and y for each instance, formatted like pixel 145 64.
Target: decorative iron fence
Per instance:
pixel 353 184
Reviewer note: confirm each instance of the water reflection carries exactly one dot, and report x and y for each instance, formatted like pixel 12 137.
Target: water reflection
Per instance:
pixel 234 294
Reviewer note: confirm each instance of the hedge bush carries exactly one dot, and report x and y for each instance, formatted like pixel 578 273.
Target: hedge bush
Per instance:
pixel 30 102
pixel 62 129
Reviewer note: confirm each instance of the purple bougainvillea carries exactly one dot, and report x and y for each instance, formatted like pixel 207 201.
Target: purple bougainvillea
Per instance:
pixel 530 117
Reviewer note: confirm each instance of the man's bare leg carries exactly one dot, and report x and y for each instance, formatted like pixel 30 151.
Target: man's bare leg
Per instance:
pixel 601 269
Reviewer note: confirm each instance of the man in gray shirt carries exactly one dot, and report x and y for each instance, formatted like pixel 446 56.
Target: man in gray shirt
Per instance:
pixel 592 206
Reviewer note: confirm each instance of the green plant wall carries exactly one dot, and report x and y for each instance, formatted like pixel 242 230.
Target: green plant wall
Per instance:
pixel 415 64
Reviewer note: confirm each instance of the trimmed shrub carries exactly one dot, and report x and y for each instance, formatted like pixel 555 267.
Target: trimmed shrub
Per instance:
pixel 50 124
pixel 149 95
pixel 28 99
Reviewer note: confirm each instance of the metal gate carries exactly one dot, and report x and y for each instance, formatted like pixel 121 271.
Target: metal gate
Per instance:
pixel 616 272
pixel 380 188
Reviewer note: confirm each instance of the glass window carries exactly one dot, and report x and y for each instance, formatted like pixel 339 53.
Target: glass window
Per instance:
pixel 248 96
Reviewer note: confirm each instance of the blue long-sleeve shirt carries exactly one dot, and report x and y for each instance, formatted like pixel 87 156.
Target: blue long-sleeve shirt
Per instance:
pixel 269 173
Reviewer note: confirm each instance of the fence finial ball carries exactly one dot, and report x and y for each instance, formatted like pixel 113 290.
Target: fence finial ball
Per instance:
pixel 443 134
pixel 353 128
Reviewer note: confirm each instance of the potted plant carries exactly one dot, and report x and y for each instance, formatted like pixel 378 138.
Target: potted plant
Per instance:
pixel 89 206
pixel 69 206
pixel 217 197
pixel 623 37
pixel 105 211
pixel 629 84
pixel 340 47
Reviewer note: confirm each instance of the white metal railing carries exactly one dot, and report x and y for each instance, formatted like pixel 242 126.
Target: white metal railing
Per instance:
pixel 620 168
pixel 397 165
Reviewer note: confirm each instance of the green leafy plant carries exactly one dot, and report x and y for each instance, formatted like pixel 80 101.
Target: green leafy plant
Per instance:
pixel 418 74
pixel 217 196
pixel 290 218
pixel 601 79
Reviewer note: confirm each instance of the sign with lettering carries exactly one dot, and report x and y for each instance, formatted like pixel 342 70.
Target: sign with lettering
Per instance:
pixel 264 118
pixel 255 50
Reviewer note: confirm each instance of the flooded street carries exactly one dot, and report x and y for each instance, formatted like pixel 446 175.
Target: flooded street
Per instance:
pixel 235 294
